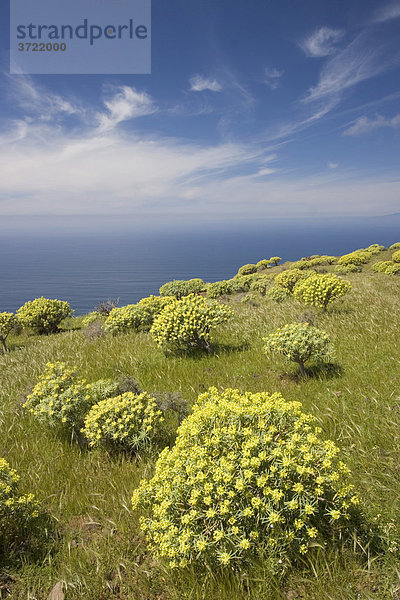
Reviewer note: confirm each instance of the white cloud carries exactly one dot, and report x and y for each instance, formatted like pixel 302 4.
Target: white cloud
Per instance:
pixel 200 84
pixel 272 77
pixel 365 57
pixel 322 42
pixel 365 125
pixel 333 165
pixel 387 13
pixel 124 105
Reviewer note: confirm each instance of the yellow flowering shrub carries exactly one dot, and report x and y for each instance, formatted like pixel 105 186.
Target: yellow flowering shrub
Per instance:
pixel 392 269
pixel 321 290
pixel 275 260
pixel 346 269
pixel 182 287
pixel 395 246
pixel 248 474
pixel 218 288
pixel 138 316
pixel 261 284
pixel 277 294
pixel 43 315
pixel 189 322
pixel 358 257
pixel 18 513
pixel 7 323
pixel 129 421
pixel 288 279
pixel 263 264
pixel 396 256
pixel 91 318
pixel 247 270
pixel 299 342
pixel 60 398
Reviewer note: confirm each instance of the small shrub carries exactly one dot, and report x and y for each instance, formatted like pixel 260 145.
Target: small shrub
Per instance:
pixel 358 257
pixel 128 421
pixel 396 256
pixel 106 306
pixel 288 279
pixel 247 269
pixel 188 323
pixel 277 294
pixel 248 475
pixel 91 318
pixel 381 266
pixel 241 283
pixel 299 342
pixel 138 316
pixel 218 288
pixel 8 321
pixel 375 248
pixel 321 290
pixel 263 264
pixel 94 330
pixel 181 287
pixel 19 514
pixel 61 399
pixel 275 260
pixel 261 284
pixel 346 269
pixel 392 269
pixel 43 315
pixel 395 246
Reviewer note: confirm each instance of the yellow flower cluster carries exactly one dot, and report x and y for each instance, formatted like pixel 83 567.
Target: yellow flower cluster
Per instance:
pixel 7 323
pixel 43 315
pixel 178 288
pixel 288 279
pixel 132 421
pixel 299 342
pixel 386 266
pixel 248 472
pixel 321 290
pixel 17 513
pixel 60 398
pixel 189 322
pixel 136 316
pixel 358 257
pixel 396 256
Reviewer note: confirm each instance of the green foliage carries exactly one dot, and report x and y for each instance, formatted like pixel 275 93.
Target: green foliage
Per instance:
pixel 248 475
pixel 43 315
pixel 241 283
pixel 321 290
pixel 19 514
pixel 346 269
pixel 247 269
pixel 263 264
pixel 8 321
pixel 395 246
pixel 288 279
pixel 261 284
pixel 393 269
pixel 188 323
pixel 396 256
pixel 91 318
pixel 299 342
pixel 386 266
pixel 128 421
pixel 61 399
pixel 181 287
pixel 138 316
pixel 218 288
pixel 278 294
pixel 375 248
pixel 358 257
pixel 275 260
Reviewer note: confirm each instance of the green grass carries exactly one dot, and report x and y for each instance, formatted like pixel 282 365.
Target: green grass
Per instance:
pixel 100 554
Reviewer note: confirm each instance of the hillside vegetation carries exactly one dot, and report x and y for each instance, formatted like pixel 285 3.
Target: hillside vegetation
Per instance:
pixel 96 549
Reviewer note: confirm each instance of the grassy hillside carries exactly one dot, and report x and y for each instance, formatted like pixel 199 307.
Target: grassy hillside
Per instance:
pixel 100 552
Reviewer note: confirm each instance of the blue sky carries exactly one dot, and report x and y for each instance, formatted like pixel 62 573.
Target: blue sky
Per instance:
pixel 257 109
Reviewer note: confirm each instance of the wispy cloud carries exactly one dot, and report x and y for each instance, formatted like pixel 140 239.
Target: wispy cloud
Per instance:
pixel 125 104
pixel 322 42
pixel 366 125
pixel 200 84
pixel 273 77
pixel 387 13
pixel 333 165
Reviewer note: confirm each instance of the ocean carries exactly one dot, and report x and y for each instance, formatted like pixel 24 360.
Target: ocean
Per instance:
pixel 85 267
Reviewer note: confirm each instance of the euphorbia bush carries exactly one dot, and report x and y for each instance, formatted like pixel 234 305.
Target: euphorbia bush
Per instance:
pixel 60 398
pixel 218 288
pixel 300 342
pixel 248 475
pixel 128 421
pixel 91 318
pixel 138 316
pixel 321 290
pixel 263 264
pixel 288 279
pixel 395 246
pixel 181 287
pixel 277 294
pixel 19 514
pixel 396 256
pixel 275 260
pixel 346 269
pixel 358 257
pixel 43 315
pixel 247 269
pixel 262 284
pixel 188 323
pixel 7 323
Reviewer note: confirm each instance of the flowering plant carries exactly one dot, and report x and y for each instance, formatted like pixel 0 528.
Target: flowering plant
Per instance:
pixel 248 474
pixel 321 290
pixel 43 315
